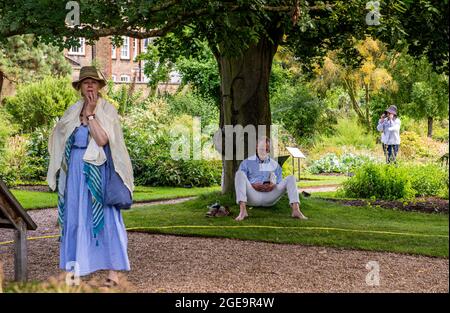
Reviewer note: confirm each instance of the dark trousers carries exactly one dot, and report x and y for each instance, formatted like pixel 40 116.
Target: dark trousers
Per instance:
pixel 384 147
pixel 391 153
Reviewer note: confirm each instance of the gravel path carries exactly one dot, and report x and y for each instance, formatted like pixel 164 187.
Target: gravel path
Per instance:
pixel 163 263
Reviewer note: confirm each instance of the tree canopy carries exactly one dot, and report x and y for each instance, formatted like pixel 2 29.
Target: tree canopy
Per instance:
pixel 243 36
pixel 231 26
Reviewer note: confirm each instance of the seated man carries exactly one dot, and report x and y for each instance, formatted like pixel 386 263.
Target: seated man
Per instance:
pixel 259 182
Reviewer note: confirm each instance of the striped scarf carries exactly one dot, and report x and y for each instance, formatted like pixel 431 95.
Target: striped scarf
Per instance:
pixel 94 182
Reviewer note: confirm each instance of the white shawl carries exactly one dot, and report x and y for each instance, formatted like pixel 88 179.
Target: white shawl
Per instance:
pixel 107 117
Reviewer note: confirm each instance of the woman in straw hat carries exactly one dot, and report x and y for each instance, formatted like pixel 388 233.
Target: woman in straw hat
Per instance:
pixel 389 126
pixel 93 235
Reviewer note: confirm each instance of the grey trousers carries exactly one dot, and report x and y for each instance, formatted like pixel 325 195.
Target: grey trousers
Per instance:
pixel 246 193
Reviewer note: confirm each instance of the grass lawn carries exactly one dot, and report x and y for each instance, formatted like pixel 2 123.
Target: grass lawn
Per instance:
pixel 35 199
pixel 38 200
pixel 330 224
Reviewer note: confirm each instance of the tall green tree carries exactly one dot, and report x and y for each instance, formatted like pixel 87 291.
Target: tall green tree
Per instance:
pixel 23 61
pixel 156 69
pixel 368 79
pixel 429 99
pixel 421 93
pixel 243 36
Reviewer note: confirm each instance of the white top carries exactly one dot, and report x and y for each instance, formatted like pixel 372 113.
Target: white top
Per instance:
pixel 390 131
pixel 108 119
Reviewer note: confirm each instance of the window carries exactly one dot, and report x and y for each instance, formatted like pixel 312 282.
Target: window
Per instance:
pixel 146 43
pixel 124 78
pixel 113 52
pixel 125 49
pixel 135 48
pixel 78 50
pixel 113 78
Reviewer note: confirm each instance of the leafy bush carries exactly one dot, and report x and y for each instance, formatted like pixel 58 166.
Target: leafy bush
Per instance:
pixel 195 105
pixel 36 157
pixel 379 181
pixel 440 131
pixel 6 129
pixel 25 158
pixel 391 182
pixel 38 104
pixel 13 162
pixel 429 179
pixel 124 97
pixel 414 147
pixel 331 163
pixel 147 136
pixel 202 73
pixel 300 112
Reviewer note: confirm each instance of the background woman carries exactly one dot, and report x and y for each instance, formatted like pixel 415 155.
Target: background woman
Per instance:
pixel 389 125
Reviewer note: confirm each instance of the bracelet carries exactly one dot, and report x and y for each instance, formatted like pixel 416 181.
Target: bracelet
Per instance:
pixel 90 117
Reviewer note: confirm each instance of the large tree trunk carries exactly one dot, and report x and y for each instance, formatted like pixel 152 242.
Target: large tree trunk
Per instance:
pixel 430 127
pixel 245 95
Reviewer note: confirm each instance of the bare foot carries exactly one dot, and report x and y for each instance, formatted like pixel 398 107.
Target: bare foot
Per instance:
pixel 242 215
pixel 299 215
pixel 296 213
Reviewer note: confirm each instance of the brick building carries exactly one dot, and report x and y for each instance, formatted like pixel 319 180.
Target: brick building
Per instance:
pixel 117 63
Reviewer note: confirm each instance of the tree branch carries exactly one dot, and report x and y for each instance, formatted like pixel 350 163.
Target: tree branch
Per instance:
pixel 126 30
pixel 164 6
pixel 289 8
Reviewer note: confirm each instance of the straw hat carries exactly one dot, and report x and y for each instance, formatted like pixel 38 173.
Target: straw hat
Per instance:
pixel 89 72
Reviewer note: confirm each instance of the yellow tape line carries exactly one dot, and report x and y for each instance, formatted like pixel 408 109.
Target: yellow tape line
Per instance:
pixel 260 226
pixel 289 227
pixel 30 238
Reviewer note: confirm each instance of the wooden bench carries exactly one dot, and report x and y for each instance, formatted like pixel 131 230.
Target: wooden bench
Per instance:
pixel 12 215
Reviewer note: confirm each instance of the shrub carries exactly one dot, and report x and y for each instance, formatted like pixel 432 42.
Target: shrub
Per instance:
pixel 414 147
pixel 36 157
pixel 201 72
pixel 38 104
pixel 379 181
pixel 440 131
pixel 429 179
pixel 194 105
pixel 124 97
pixel 331 163
pixel 147 136
pixel 300 112
pixel 6 129
pixel 12 163
pixel 391 182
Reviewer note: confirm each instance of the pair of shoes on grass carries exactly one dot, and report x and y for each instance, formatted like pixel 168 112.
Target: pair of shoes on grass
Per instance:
pixel 217 210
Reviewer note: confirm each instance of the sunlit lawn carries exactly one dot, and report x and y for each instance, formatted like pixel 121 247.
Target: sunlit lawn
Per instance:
pixel 38 200
pixel 330 224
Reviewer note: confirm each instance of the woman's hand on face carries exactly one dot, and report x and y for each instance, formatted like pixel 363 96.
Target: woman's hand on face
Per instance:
pixel 91 100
